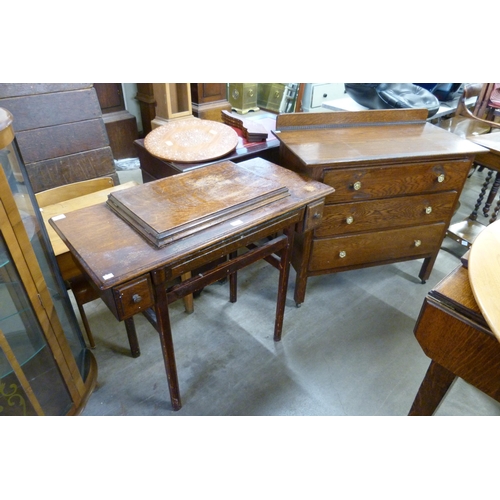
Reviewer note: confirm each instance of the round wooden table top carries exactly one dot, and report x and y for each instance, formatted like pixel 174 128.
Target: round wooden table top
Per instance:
pixel 484 274
pixel 191 140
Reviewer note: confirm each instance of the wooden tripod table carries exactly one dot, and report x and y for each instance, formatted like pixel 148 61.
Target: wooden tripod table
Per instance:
pixel 132 272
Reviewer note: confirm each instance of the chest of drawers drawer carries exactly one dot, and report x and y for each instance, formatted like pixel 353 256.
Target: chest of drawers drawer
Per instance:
pixel 374 215
pixel 366 183
pixel 358 249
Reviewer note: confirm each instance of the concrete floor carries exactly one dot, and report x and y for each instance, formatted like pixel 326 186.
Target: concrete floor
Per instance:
pixel 348 350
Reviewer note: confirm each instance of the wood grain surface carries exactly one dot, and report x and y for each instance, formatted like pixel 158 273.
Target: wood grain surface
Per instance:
pixel 484 274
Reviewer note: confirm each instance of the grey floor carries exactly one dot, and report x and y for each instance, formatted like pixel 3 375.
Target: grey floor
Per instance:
pixel 349 350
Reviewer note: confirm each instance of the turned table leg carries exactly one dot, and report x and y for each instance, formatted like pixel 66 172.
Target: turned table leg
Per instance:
pixel 492 195
pixel 473 215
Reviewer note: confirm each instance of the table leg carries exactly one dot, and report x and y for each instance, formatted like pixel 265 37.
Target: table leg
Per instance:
pixel 301 268
pixel 473 215
pixel 132 337
pixel 233 281
pixel 188 299
pixel 436 384
pixel 492 195
pixel 284 267
pixel 165 331
pixel 495 212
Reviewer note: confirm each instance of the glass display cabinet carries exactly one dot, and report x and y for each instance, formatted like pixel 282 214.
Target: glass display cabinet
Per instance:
pixel 45 367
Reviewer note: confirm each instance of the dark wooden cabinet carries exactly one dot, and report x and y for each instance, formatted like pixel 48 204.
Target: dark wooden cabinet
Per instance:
pixel 147 104
pixel 397 180
pixel 208 100
pixel 121 126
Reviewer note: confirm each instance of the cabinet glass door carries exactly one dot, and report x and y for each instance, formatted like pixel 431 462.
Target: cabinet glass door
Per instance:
pixel 24 388
pixel 45 368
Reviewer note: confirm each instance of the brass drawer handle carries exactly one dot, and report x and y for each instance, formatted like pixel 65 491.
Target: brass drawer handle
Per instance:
pixel 357 186
pixel 418 243
pixel 136 298
pixel 342 254
pixel 441 178
pixel 349 219
pixel 428 210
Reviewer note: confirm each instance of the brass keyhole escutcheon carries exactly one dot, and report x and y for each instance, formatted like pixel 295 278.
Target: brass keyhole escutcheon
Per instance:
pixel 356 186
pixel 342 254
pixel 235 93
pixel 441 178
pixel 349 219
pixel 428 210
pixel 418 243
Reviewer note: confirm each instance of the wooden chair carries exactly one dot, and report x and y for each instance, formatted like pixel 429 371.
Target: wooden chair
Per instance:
pixel 489 107
pixel 466 122
pixel 75 280
pixel 73 190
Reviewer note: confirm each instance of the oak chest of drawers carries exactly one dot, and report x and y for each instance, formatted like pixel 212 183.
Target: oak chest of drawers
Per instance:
pixel 397 181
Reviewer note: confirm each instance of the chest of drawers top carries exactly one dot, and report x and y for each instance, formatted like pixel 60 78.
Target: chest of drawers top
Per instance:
pixel 343 138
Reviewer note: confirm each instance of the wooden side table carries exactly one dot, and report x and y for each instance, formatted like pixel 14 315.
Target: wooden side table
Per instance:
pixel 132 274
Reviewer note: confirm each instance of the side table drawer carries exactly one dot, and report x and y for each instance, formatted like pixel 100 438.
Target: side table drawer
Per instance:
pixel 358 184
pixel 363 249
pixel 133 297
pixel 376 215
pixel 313 216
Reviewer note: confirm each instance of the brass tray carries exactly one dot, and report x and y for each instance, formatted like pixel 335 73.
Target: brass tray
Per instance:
pixel 191 140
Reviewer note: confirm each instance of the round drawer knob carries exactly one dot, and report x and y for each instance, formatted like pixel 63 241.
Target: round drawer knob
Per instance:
pixel 136 298
pixel 349 219
pixel 342 254
pixel 441 178
pixel 418 243
pixel 428 210
pixel 317 215
pixel 357 186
